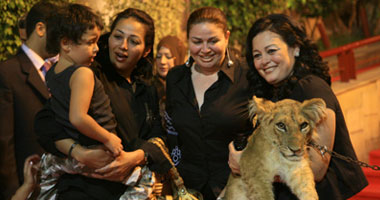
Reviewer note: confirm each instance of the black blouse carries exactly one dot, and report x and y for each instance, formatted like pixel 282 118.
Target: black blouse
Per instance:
pixel 204 135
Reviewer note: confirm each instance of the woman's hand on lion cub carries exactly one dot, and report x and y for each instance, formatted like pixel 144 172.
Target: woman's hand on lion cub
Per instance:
pixel 234 159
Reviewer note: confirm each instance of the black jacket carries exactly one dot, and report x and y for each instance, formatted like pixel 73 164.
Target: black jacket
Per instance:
pixel 22 94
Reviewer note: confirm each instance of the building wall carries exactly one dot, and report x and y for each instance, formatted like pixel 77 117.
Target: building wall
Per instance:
pixel 360 102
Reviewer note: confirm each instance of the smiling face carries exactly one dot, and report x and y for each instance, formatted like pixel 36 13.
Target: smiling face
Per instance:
pixel 85 52
pixel 164 61
pixel 273 58
pixel 127 45
pixel 208 44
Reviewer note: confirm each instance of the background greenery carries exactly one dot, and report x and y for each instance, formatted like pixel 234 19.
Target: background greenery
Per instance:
pixel 11 11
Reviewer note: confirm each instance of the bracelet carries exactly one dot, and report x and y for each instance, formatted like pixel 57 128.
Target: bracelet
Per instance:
pixel 146 156
pixel 71 148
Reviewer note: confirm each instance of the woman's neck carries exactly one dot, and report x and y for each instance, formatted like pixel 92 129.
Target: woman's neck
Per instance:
pixel 126 74
pixel 206 71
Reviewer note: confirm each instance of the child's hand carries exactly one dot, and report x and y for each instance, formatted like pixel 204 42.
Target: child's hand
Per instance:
pixel 31 168
pixel 114 144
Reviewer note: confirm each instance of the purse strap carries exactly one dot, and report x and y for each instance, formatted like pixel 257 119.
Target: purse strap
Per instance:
pixel 182 193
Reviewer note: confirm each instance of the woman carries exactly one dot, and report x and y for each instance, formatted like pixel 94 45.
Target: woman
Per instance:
pixel 170 52
pixel 125 65
pixel 206 100
pixel 285 64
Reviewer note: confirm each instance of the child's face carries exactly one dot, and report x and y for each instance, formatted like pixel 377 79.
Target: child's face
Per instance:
pixel 85 51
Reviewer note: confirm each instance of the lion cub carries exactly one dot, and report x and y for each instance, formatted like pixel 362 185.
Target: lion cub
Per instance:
pixel 278 147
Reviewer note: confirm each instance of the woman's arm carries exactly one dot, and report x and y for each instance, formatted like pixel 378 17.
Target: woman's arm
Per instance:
pixel 326 133
pixel 81 84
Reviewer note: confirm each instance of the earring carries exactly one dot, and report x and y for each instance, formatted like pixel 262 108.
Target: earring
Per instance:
pixel 297 53
pixel 188 61
pixel 230 62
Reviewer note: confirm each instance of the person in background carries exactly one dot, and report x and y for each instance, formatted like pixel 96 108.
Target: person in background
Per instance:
pixel 285 64
pixel 22 94
pixel 31 169
pixel 124 66
pixel 21 25
pixel 170 52
pixel 206 101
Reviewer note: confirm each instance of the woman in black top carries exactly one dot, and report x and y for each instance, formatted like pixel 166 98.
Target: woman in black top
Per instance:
pixel 125 59
pixel 206 101
pixel 285 64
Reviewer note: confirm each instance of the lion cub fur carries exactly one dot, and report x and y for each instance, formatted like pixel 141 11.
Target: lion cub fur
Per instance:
pixel 278 147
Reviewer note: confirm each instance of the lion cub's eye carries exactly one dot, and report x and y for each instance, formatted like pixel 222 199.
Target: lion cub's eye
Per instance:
pixel 281 126
pixel 304 125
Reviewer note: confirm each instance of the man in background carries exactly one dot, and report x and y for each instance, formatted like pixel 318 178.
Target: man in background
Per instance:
pixel 22 94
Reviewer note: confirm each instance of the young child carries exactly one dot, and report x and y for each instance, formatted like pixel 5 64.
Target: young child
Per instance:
pixel 78 99
pixel 77 96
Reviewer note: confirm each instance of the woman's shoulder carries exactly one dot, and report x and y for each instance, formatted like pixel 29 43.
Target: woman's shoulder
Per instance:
pixel 312 86
pixel 311 81
pixel 176 73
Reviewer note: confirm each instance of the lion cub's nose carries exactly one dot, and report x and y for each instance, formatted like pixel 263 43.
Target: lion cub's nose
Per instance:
pixel 297 151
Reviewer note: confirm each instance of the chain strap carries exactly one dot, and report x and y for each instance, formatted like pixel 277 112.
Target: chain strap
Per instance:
pixel 324 150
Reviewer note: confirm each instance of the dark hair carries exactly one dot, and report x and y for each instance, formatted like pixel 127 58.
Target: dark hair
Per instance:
pixel 22 22
pixel 71 22
pixel 38 13
pixel 308 62
pixel 206 14
pixel 144 68
pixel 176 47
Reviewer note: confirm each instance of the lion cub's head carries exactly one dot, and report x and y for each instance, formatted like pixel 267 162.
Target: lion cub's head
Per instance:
pixel 288 124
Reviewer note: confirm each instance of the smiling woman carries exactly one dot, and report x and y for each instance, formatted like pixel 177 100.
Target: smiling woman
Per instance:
pixel 207 101
pixel 285 64
pixel 273 59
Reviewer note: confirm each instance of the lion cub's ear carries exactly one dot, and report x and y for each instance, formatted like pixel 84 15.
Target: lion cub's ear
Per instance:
pixel 258 106
pixel 314 109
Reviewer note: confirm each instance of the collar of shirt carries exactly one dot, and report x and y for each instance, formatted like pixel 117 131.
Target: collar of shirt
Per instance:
pixel 227 70
pixel 33 56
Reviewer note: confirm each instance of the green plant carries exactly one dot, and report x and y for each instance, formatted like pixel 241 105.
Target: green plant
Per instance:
pixel 11 11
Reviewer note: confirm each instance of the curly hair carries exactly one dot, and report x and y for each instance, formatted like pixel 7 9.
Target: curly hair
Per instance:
pixel 70 21
pixel 308 62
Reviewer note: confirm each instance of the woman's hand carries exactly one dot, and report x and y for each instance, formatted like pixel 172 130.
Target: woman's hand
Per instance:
pixel 234 159
pixel 92 157
pixel 121 166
